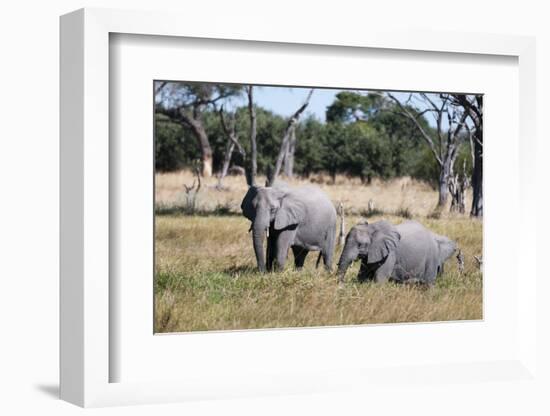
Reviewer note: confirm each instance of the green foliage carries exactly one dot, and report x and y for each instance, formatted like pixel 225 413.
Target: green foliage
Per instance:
pixel 425 167
pixel 175 147
pixel 350 106
pixel 404 140
pixel 363 137
pixel 357 150
pixel 400 148
pixel 270 133
pixel 311 153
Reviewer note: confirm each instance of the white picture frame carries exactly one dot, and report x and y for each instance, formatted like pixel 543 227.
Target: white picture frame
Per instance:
pixel 86 357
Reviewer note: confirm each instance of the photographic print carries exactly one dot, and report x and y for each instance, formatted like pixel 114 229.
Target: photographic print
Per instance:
pixel 285 207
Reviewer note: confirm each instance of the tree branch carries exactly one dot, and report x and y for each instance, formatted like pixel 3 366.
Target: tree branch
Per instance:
pixel 425 135
pixel 230 131
pixel 284 144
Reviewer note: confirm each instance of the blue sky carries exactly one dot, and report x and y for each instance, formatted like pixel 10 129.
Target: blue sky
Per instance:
pixel 285 101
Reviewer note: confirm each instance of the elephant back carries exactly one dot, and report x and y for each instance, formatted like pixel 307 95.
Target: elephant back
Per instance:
pixel 417 252
pixel 315 199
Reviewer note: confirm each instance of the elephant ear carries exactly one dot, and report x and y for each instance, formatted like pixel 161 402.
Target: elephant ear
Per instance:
pixel 291 212
pixel 384 239
pixel 246 205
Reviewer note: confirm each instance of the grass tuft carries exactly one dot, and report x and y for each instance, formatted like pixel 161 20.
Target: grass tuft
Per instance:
pixel 404 212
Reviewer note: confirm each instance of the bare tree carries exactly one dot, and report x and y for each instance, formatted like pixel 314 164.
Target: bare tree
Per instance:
pixel 253 169
pixel 473 107
pixel 191 193
pixel 457 187
pixel 186 104
pixel 232 142
pixel 159 86
pixel 342 233
pixel 445 146
pixel 286 139
pixel 288 161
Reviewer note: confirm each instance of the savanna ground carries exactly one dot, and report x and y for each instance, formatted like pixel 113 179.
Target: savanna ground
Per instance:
pixel 206 278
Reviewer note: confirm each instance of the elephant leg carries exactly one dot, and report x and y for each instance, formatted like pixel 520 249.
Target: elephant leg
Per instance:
pixel 431 273
pixel 284 241
pixel 300 254
pixel 327 259
pixel 385 271
pixel 270 249
pixel 328 251
pixel 365 272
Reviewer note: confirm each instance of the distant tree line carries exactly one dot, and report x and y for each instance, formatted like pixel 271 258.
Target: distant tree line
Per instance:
pixel 366 135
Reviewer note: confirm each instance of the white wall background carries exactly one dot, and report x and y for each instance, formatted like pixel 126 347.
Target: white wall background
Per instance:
pixel 29 116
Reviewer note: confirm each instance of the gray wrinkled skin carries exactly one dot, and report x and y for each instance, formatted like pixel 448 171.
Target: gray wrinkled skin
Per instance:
pixel 445 248
pixel 405 253
pixel 303 219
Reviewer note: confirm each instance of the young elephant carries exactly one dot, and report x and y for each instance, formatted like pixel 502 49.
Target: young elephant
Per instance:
pixel 303 219
pixel 408 252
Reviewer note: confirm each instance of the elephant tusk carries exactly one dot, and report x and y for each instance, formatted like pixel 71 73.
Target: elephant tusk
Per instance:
pixel 267 232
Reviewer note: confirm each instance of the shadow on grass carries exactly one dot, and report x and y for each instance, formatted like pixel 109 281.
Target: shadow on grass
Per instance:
pixel 183 210
pixel 367 213
pixel 403 212
pixel 239 270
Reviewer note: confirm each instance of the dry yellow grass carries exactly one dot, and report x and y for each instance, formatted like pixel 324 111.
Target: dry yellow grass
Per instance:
pixel 388 196
pixel 206 278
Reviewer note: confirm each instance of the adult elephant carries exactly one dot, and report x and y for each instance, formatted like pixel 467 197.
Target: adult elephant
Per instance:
pixel 408 252
pixel 302 218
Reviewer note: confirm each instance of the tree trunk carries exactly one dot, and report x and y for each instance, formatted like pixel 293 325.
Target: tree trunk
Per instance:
pixel 475 112
pixel 342 234
pixel 279 162
pixel 457 186
pixel 226 160
pixel 443 184
pixel 253 170
pixel 289 155
pixel 232 141
pixel 193 121
pixel 286 138
pixel 477 176
pixel 206 150
pixel 442 191
pixel 446 173
pixel 206 161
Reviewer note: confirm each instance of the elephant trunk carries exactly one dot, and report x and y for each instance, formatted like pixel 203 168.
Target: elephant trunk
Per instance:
pixel 258 242
pixel 349 254
pixel 342 268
